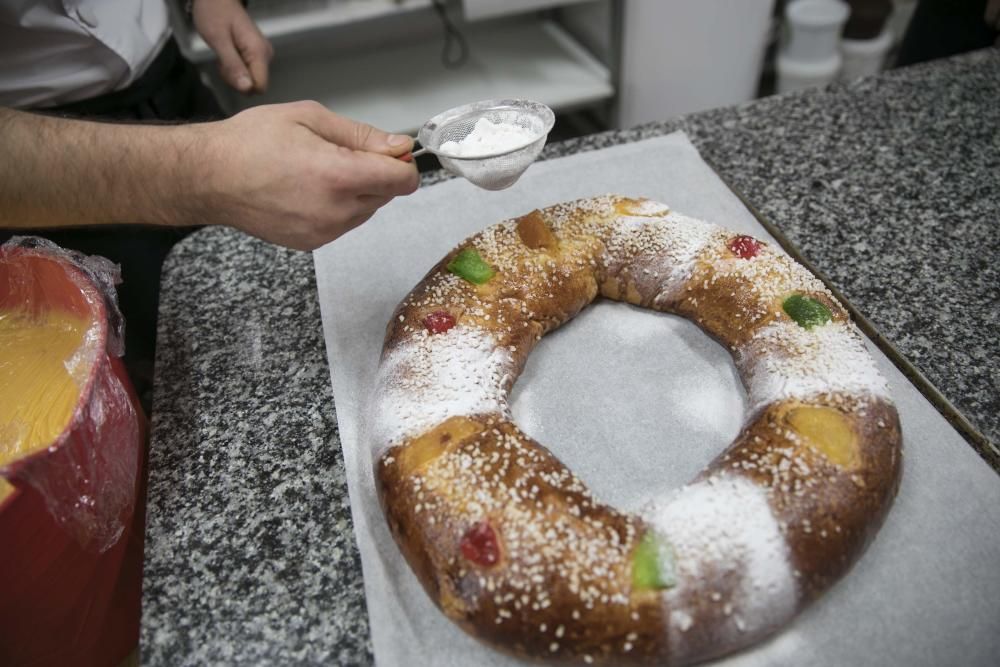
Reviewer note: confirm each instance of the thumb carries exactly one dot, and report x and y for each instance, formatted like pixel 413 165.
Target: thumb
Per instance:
pixel 354 135
pixel 231 66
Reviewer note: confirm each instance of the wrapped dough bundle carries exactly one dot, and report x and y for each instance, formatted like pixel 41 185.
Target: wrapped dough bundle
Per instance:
pixel 71 456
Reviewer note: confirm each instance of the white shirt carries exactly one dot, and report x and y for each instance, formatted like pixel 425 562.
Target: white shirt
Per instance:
pixel 58 51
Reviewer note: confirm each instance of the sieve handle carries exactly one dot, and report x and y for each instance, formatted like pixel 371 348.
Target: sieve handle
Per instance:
pixel 413 154
pixel 409 157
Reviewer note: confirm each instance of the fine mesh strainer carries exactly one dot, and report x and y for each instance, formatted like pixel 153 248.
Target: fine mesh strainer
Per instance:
pixel 497 170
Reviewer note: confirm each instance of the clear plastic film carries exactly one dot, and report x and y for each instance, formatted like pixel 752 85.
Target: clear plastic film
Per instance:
pixel 93 270
pixel 69 427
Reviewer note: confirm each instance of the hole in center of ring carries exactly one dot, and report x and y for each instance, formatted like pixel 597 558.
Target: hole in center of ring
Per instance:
pixel 633 401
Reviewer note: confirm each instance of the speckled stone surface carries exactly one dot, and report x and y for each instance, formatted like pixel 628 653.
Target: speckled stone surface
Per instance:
pixel 890 186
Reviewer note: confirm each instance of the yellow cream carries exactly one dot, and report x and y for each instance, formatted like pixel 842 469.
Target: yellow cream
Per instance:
pixel 38 393
pixel 828 432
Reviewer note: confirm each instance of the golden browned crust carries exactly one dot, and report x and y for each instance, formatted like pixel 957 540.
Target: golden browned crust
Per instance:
pixel 562 588
pixel 829 513
pixel 538 609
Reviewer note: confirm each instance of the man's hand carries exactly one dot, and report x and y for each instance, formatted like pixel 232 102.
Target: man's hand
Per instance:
pixel 293 174
pixel 299 175
pixel 244 53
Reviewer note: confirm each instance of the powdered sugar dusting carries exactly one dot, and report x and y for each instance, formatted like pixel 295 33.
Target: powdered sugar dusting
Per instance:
pixel 685 240
pixel 784 360
pixel 433 377
pixel 731 555
pixel 772 275
pixel 489 138
pixel 735 576
pixel 596 208
pixel 648 207
pixel 644 237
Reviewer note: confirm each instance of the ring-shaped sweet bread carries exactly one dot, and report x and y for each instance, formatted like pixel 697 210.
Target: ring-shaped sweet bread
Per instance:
pixel 510 544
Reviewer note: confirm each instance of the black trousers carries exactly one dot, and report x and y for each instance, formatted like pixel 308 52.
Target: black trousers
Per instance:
pixel 169 91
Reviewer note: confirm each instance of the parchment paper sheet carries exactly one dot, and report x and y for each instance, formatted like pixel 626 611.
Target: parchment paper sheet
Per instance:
pixel 636 402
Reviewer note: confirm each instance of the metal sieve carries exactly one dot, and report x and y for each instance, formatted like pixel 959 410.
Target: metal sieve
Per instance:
pixel 494 171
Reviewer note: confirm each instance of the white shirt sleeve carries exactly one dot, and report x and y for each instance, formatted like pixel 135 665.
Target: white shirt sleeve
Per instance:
pixel 59 51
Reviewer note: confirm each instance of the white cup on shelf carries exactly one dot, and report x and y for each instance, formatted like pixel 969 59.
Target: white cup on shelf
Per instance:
pixel 864 56
pixel 798 74
pixel 814 28
pixel 811 55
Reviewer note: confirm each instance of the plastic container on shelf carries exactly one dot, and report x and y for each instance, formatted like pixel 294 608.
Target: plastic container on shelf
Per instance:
pixel 862 57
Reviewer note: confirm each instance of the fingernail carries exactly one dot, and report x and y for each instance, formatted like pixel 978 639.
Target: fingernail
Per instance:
pixel 397 139
pixel 244 82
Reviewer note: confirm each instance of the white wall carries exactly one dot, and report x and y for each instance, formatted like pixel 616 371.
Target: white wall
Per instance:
pixel 680 56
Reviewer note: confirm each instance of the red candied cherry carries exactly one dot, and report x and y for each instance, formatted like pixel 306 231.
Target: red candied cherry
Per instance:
pixel 480 545
pixel 743 246
pixel 439 321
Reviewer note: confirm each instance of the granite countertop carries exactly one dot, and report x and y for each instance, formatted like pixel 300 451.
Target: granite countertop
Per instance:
pixel 890 186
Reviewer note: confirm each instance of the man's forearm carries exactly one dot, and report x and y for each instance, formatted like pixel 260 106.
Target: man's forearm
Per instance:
pixel 58 172
pixel 293 174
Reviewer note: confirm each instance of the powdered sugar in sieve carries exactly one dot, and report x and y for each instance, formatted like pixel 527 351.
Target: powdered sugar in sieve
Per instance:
pixel 489 143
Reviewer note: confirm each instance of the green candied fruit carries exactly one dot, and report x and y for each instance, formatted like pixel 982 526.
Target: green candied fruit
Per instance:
pixel 469 265
pixel 806 311
pixel 653 564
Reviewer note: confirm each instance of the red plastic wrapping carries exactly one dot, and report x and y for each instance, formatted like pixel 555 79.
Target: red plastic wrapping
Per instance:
pixel 71 531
